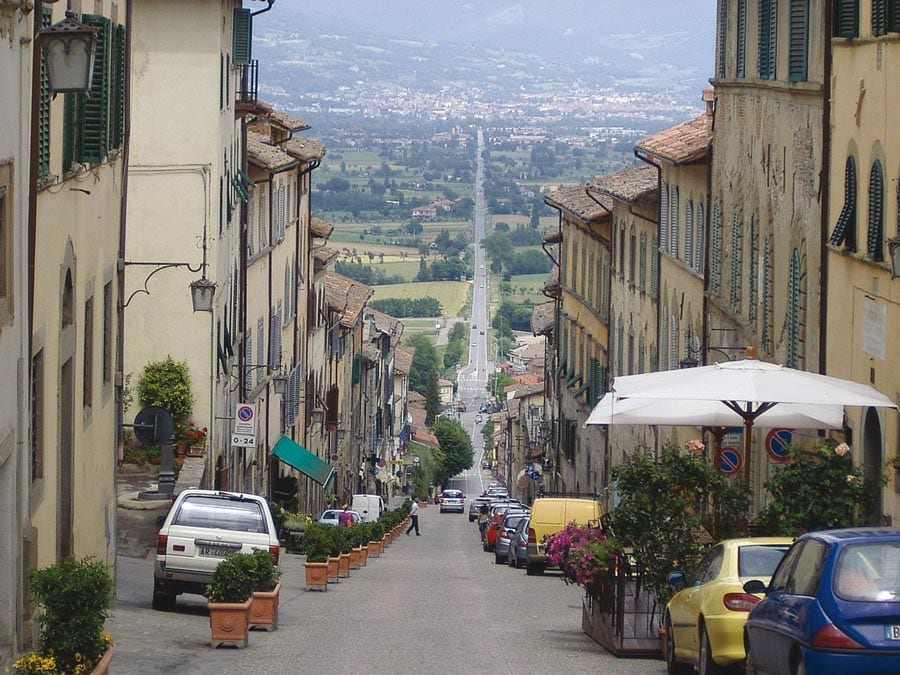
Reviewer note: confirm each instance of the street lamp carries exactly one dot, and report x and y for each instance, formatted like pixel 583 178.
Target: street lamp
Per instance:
pixel 203 292
pixel 68 49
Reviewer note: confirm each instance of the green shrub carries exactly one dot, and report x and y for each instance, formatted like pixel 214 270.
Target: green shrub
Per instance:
pixel 75 596
pixel 167 384
pixel 266 573
pixel 317 542
pixel 233 579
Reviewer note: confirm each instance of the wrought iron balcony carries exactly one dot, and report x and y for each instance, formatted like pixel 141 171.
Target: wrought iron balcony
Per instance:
pixel 248 82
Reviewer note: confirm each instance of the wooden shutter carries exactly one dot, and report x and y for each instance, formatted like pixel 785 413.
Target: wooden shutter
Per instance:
pixel 879 17
pixel 845 229
pixel 722 38
pixel 741 57
pixel 69 125
pixel 875 239
pixel 799 40
pixel 768 31
pixel 43 150
pixel 117 109
pixel 242 26
pixel 93 132
pixel 846 18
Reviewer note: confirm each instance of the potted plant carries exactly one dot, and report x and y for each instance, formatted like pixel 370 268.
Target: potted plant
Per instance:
pixel 343 539
pixel 75 597
pixel 195 439
pixel 316 545
pixel 334 554
pixel 266 591
pixel 228 596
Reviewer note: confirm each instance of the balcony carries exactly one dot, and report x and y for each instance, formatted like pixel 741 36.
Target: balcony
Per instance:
pixel 248 83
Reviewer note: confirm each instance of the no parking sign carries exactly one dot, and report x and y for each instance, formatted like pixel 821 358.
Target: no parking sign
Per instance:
pixel 778 444
pixel 730 460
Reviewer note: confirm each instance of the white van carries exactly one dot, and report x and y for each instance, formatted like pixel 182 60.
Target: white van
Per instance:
pixel 370 507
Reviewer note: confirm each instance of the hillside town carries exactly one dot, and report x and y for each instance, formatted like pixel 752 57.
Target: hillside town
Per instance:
pixel 160 212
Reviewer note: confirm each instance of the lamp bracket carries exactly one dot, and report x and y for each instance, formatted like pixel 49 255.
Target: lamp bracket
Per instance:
pixel 160 266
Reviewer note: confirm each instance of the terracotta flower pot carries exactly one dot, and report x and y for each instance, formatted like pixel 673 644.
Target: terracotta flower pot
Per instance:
pixel 102 667
pixel 363 555
pixel 264 609
pixel 344 565
pixel 333 567
pixel 355 555
pixel 316 576
pixel 374 549
pixel 229 623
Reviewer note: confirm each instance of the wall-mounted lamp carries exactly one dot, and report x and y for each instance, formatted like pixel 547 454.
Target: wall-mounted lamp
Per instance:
pixel 203 291
pixel 340 434
pixel 275 373
pixel 893 245
pixel 68 49
pixel 317 415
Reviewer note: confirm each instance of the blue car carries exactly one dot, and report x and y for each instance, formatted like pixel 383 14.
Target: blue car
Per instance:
pixel 832 606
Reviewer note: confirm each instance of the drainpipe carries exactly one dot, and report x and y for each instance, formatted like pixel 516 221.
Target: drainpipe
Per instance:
pixel 266 9
pixel 825 188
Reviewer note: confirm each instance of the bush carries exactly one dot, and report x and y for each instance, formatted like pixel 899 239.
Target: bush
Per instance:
pixel 75 596
pixel 317 542
pixel 266 574
pixel 167 384
pixel 233 579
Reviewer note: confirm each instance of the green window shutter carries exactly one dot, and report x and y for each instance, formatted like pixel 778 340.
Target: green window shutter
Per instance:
pixel 893 16
pixel 799 40
pixel 846 18
pixel 356 369
pixel 722 37
pixel 715 252
pixel 93 134
pixel 43 150
pixel 793 317
pixel 70 103
pixel 118 97
pixel 875 239
pixel 242 36
pixel 737 255
pixel 768 30
pixel 654 268
pixel 741 59
pixel 879 17
pixel 845 230
pixel 753 279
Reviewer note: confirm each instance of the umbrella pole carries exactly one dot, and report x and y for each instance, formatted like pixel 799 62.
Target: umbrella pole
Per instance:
pixel 748 428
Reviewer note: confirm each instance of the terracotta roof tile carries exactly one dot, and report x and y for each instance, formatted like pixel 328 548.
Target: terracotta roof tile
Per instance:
pixel 305 149
pixel 266 156
pixel 577 202
pixel 628 186
pixel 324 256
pixel 319 228
pixel 684 143
pixel 403 358
pixel 542 318
pixel 387 325
pixel 346 296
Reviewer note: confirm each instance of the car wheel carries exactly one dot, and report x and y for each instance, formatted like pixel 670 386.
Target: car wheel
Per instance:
pixel 707 665
pixel 162 601
pixel 749 666
pixel 498 559
pixel 529 570
pixel 672 665
pixel 510 561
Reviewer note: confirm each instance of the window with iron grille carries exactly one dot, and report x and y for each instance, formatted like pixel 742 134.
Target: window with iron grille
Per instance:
pixel 741 56
pixel 846 18
pixel 715 253
pixel 845 229
pixel 875 236
pixel 798 43
pixel 722 38
pixel 768 32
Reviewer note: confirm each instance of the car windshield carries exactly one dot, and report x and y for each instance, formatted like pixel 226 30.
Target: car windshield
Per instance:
pixel 868 572
pixel 221 513
pixel 760 560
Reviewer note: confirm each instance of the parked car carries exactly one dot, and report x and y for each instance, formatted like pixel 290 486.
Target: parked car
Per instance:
pixel 497 491
pixel 452 500
pixel 505 533
pixel 832 606
pixel 475 506
pixel 548 516
pixel 705 619
pixel 201 529
pixel 370 507
pixel 331 517
pixel 518 544
pixel 478 419
pixel 498 512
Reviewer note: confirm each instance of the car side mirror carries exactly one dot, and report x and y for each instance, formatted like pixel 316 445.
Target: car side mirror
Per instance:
pixel 676 579
pixel 754 586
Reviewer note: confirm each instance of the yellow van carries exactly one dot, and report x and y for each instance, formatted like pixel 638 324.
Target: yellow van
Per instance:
pixel 548 516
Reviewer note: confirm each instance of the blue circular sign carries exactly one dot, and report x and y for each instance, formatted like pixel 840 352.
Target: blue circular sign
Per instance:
pixel 778 444
pixel 729 461
pixel 245 413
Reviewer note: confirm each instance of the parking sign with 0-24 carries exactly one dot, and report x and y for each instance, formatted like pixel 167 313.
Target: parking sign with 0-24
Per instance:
pixel 243 440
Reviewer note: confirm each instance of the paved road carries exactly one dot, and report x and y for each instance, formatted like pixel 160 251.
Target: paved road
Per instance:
pixel 434 604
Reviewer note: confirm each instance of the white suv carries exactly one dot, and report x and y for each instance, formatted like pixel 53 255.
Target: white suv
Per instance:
pixel 202 528
pixel 453 500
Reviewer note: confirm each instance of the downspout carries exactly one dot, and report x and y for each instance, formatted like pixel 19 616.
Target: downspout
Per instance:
pixel 825 187
pixel 263 11
pixel 33 174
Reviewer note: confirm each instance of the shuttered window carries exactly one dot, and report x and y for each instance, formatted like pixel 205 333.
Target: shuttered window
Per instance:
pixel 893 16
pixel 673 222
pixel 737 259
pixel 768 31
pixel 715 260
pixel 768 301
pixel 845 230
pixel 642 276
pixel 879 17
pixel 248 354
pixel 875 237
pixel 43 150
pixel 846 18
pixel 799 40
pixel 793 317
pixel 700 248
pixel 260 349
pixel 722 36
pixel 741 56
pixel 664 216
pixel 119 73
pixel 93 109
pixel 654 269
pixel 689 233
pixel 753 277
pixel 242 36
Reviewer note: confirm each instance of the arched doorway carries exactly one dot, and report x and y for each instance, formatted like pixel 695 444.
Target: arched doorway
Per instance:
pixel 873 460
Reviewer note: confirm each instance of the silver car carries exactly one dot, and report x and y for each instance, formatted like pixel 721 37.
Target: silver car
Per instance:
pixel 518 544
pixel 333 517
pixel 505 535
pixel 452 500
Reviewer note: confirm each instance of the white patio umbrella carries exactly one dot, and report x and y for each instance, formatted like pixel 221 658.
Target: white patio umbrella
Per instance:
pixel 612 409
pixel 749 388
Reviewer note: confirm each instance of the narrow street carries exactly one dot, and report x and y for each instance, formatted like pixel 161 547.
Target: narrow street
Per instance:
pixel 435 603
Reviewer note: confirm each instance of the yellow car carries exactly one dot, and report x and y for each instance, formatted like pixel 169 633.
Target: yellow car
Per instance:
pixel 705 619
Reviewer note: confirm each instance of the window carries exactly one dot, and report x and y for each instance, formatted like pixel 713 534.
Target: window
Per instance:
pixel 88 377
pixel 248 354
pixel 700 247
pixel 673 222
pixel 664 337
pixel 845 230
pixel 654 268
pixel 875 237
pixel 753 300
pixel 108 315
pixel 288 294
pixel 737 259
pixel 242 26
pixel 664 217
pixel 768 31
pixel 43 151
pixel 6 242
pixel 263 221
pixel 722 38
pixel 768 301
pixel 879 17
pixel 37 416
pixel 689 233
pixel 642 276
pixel 793 317
pixel 741 56
pixel 260 350
pixel 798 40
pixel 621 237
pixel 715 261
pixel 632 256
pixel 846 18
pixel 709 567
pixel 275 338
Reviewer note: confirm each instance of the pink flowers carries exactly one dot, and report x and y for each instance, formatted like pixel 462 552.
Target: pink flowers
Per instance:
pixel 695 445
pixel 584 554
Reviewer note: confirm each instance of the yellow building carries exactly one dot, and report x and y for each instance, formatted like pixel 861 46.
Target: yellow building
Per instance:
pixel 863 300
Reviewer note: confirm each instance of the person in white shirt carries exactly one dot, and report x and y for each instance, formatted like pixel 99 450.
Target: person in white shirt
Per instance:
pixel 414 516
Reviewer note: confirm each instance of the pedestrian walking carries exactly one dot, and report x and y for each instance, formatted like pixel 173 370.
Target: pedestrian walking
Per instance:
pixel 414 516
pixel 483 519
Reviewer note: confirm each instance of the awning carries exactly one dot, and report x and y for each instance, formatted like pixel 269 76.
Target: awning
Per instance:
pixel 304 461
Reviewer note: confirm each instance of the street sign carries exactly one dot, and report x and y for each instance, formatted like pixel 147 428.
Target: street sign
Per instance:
pixel 243 440
pixel 245 419
pixel 778 444
pixel 729 460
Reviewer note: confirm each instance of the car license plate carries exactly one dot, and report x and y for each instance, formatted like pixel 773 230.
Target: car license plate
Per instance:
pixel 892 632
pixel 214 551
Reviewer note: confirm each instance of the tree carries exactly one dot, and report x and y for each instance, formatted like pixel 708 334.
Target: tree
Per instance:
pixel 456 446
pixel 414 228
pixel 424 374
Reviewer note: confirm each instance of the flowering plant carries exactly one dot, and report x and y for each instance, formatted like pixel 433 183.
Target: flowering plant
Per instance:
pixel 695 445
pixel 583 553
pixel 192 434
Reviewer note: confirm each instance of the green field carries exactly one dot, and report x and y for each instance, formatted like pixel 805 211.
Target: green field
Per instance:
pixel 453 295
